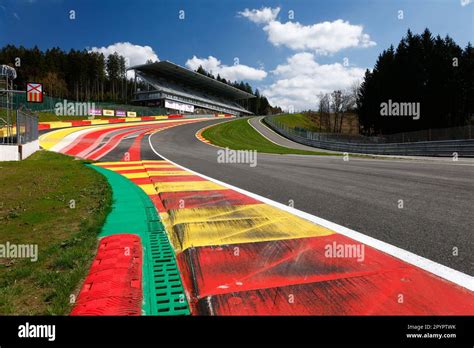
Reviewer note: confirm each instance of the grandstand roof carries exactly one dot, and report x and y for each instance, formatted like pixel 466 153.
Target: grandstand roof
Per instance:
pixel 192 79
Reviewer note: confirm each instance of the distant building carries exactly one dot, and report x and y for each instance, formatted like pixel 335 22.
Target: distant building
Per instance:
pixel 180 90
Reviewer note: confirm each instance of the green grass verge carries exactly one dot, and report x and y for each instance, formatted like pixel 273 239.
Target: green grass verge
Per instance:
pixel 240 135
pixel 35 209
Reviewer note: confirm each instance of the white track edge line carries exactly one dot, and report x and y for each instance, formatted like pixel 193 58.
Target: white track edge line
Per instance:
pixel 263 135
pixel 435 268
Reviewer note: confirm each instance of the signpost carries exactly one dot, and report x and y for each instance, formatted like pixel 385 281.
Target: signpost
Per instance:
pixel 34 92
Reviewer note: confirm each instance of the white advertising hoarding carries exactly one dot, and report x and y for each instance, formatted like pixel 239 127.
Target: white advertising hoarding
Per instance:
pixel 170 104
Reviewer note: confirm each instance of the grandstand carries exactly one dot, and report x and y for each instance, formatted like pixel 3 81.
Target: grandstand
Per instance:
pixel 178 89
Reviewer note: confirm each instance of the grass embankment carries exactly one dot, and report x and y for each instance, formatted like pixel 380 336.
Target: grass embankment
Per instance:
pixel 350 122
pixel 35 208
pixel 297 121
pixel 240 135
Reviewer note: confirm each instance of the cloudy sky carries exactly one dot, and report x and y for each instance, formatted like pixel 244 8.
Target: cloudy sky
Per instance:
pixel 290 50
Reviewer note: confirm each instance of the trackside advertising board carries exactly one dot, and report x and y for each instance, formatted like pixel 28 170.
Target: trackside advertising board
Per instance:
pixel 170 104
pixel 95 112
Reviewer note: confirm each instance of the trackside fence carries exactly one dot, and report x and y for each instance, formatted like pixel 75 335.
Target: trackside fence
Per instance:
pixel 21 130
pixel 434 142
pixel 26 127
pixel 19 137
pixel 49 105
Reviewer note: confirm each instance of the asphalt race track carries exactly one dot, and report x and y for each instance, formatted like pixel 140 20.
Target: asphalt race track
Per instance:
pixel 361 194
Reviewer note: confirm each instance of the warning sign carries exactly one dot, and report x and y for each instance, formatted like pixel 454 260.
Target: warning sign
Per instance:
pixel 34 92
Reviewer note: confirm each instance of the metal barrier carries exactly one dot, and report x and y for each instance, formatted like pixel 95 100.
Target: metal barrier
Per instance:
pixel 376 145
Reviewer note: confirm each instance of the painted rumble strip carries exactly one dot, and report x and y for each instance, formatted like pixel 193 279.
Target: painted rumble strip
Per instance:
pixel 200 136
pixel 78 123
pixel 93 143
pixel 240 256
pixel 114 283
pixel 133 273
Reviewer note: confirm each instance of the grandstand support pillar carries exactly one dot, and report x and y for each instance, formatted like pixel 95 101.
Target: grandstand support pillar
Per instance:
pixel 134 82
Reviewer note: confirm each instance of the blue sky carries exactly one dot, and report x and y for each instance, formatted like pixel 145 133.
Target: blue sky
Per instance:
pixel 305 64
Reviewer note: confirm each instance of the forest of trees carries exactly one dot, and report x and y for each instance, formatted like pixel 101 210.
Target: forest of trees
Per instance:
pixel 258 105
pixel 432 71
pixel 75 75
pixel 333 107
pixel 83 76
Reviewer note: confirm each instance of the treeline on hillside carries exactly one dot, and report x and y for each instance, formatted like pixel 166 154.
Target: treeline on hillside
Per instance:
pixel 432 71
pixel 258 105
pixel 75 75
pixel 82 75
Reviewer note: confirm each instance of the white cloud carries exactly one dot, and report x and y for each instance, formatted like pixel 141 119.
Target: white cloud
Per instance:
pixel 300 80
pixel 323 38
pixel 134 54
pixel 465 2
pixel 236 72
pixel 264 15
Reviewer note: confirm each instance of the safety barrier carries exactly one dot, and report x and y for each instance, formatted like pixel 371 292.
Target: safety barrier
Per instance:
pixel 461 148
